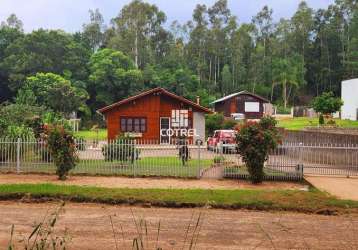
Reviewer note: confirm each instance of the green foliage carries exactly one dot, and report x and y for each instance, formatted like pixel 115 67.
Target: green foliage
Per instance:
pixel 52 91
pixel 226 79
pixel 282 110
pixel 113 77
pixel 219 159
pixel 122 149
pixel 288 60
pixel 62 147
pixel 213 122
pixel 255 141
pixel 321 119
pixel 229 124
pixel 327 103
pixel 289 73
pixel 44 51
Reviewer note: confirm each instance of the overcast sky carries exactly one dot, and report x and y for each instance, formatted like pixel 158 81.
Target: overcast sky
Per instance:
pixel 69 15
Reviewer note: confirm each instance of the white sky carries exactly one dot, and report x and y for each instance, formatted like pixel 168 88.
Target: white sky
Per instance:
pixel 69 15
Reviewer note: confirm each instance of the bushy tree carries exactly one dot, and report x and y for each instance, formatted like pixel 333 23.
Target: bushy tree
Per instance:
pixel 255 141
pixel 62 147
pixel 327 103
pixel 113 77
pixel 44 51
pixel 53 92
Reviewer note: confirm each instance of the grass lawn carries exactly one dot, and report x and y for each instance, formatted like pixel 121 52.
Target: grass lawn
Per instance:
pixel 298 123
pixel 241 172
pixel 294 200
pixel 92 135
pixel 147 166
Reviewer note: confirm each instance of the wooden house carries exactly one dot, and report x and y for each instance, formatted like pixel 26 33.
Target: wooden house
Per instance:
pixel 157 115
pixel 250 105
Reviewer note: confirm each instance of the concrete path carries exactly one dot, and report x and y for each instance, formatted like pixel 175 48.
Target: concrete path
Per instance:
pixel 341 187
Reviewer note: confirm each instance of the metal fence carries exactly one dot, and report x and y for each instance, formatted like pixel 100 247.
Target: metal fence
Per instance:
pixel 181 159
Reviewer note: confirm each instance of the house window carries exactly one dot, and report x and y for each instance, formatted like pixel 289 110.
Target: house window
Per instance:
pixel 133 124
pixel 252 107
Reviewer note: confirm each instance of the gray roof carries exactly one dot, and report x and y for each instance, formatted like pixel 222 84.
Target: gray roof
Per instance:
pixel 239 93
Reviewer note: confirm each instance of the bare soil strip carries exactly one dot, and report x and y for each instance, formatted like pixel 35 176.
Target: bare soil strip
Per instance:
pixel 124 182
pixel 90 228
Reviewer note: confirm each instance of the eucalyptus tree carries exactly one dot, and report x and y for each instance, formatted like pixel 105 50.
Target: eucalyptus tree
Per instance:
pixel 13 22
pixel 197 46
pixel 134 27
pixel 93 32
pixel 263 33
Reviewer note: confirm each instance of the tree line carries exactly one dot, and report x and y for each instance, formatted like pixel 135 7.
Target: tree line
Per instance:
pixel 213 54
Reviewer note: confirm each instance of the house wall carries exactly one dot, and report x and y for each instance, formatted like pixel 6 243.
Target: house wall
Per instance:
pixel 199 125
pixel 151 107
pixel 350 99
pixel 237 105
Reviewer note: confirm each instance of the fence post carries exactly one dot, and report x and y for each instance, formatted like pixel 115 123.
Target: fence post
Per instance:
pixel 300 160
pixel 18 148
pixel 199 162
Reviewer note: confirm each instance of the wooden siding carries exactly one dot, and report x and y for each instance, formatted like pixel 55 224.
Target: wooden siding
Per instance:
pixel 236 104
pixel 152 107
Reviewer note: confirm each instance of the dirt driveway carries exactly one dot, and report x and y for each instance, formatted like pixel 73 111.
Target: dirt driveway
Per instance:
pixel 341 187
pixel 89 227
pixel 124 182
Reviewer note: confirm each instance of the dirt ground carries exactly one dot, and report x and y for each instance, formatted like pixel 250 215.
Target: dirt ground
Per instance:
pixel 342 187
pixel 89 227
pixel 123 182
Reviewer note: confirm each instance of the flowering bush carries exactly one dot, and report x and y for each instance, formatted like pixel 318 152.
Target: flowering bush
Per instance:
pixel 62 147
pixel 255 140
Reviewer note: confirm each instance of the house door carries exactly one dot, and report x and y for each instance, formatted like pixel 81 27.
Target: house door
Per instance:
pixel 164 126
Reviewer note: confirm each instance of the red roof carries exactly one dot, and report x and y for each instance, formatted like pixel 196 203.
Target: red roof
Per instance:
pixel 155 90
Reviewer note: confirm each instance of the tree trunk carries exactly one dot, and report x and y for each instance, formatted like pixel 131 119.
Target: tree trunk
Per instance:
pixel 136 48
pixel 284 93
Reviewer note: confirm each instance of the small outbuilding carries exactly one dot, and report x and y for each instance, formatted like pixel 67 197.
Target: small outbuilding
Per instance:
pixel 156 115
pixel 350 99
pixel 244 103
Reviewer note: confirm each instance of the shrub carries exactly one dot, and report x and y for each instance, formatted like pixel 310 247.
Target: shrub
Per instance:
pixel 255 140
pixel 214 122
pixel 8 145
pixel 62 147
pixel 121 149
pixel 219 159
pixel 229 124
pixel 327 103
pixel 321 119
pixel 331 122
pixel 282 110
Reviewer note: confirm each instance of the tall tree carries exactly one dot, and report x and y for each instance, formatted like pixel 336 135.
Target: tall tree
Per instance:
pixel 93 32
pixel 288 73
pixel 13 22
pixel 134 27
pixel 263 32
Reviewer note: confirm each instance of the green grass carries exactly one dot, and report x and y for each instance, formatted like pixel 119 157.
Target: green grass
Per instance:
pixel 299 123
pixel 294 200
pixel 92 135
pixel 147 166
pixel 270 174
